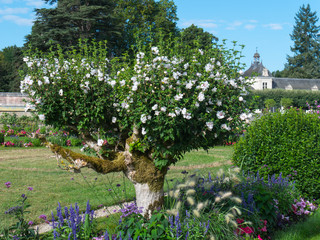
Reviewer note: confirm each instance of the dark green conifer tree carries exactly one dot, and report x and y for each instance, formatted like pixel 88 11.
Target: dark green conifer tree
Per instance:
pixel 305 62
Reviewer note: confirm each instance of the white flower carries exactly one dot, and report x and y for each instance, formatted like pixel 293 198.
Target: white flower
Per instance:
pixel 122 83
pixel 184 111
pixel 177 111
pixel 39 83
pixel 156 113
pixel 209 67
pixel 154 107
pixel 178 97
pixel 226 127
pixel 243 116
pixel 143 131
pixel 61 92
pixel 187 116
pixel 241 72
pixel 189 85
pixel 197 104
pixel 209 125
pixel 125 105
pixel 100 142
pixel 204 85
pixel 218 64
pixel 114 119
pixel 186 66
pixel 46 80
pixel 29 106
pixel 112 83
pixel 201 97
pixel 214 89
pixel 219 102
pixel 171 114
pixel 155 50
pixel 143 118
pixel 42 117
pixel 220 114
pixel 163 109
pixel 88 75
pixel 240 99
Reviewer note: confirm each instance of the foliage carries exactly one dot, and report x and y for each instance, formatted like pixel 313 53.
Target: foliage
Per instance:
pixel 286 142
pixel 69 20
pixel 1 138
pixel 10 63
pixel 172 113
pixel 269 103
pixel 196 37
pixel 305 62
pixel 286 102
pixel 144 21
pixel 299 97
pixel 22 229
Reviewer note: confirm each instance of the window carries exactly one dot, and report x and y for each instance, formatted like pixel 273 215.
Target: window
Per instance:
pixel 264 85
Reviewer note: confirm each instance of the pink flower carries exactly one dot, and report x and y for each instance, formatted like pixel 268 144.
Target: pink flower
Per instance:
pixel 259 237
pixel 248 230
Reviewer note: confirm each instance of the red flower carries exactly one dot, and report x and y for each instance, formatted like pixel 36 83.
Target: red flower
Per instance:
pixel 239 221
pixel 247 230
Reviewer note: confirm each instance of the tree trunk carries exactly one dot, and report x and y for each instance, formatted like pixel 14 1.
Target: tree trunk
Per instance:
pixel 148 199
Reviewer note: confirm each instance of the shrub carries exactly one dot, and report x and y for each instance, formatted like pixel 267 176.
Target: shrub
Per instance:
pixel 287 143
pixel 61 141
pixel 36 142
pixel 75 141
pixel 1 138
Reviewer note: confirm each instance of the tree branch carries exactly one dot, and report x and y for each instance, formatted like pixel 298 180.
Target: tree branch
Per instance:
pixel 77 161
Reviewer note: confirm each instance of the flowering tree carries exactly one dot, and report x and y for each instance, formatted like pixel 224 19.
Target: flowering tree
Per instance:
pixel 139 116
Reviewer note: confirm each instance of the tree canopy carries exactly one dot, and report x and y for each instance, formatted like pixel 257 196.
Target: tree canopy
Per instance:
pixel 305 62
pixel 10 64
pixel 70 20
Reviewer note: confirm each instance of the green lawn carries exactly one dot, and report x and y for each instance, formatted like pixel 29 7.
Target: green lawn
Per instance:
pixel 37 168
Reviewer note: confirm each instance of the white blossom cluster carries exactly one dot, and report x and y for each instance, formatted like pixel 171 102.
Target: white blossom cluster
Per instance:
pixel 158 89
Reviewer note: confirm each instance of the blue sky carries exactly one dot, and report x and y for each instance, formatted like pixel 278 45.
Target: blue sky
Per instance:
pixel 265 25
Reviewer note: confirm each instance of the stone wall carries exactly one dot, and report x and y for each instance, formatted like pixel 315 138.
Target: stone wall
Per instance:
pixel 13 102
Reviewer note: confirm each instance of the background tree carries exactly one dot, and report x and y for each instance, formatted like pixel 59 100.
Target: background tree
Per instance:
pixel 145 20
pixel 193 35
pixel 74 19
pixel 139 117
pixel 305 62
pixel 10 64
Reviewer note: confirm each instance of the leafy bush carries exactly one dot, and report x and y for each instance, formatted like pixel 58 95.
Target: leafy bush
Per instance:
pixel 1 138
pixel 299 97
pixel 75 141
pixel 60 140
pixel 287 143
pixel 36 142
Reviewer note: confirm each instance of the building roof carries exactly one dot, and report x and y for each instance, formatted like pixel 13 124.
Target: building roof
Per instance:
pixel 295 83
pixel 257 68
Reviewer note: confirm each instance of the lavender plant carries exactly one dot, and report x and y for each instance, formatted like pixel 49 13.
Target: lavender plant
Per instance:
pixel 22 230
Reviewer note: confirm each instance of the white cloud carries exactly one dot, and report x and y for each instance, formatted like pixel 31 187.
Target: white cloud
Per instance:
pixel 250 26
pixel 35 3
pixel 234 25
pixel 274 26
pixel 6 1
pixel 201 23
pixel 18 20
pixel 8 11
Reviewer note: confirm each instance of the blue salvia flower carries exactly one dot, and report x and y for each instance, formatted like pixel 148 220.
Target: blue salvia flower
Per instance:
pixel 106 235
pixel 55 234
pixel 69 237
pixel 178 226
pixel 66 213
pixel 59 215
pixel 207 227
pixel 73 222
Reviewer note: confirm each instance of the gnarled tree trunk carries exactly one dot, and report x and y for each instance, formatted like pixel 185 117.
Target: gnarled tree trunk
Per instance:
pixel 139 168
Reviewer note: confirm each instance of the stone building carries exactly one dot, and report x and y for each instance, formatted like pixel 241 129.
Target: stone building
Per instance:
pixel 262 79
pixel 13 102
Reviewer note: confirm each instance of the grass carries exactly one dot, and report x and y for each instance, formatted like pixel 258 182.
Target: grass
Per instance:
pixel 37 168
